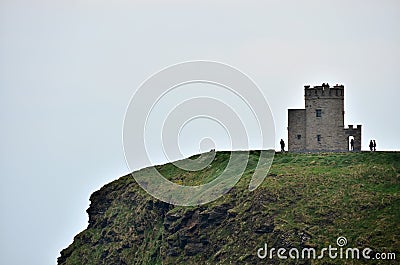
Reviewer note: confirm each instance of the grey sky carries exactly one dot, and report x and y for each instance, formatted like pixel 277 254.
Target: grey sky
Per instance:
pixel 69 68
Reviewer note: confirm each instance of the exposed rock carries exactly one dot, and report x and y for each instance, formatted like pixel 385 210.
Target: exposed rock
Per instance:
pixel 293 209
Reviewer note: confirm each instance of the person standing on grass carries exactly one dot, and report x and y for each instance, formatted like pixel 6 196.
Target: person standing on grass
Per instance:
pixel 374 145
pixel 282 145
pixel 371 145
pixel 352 144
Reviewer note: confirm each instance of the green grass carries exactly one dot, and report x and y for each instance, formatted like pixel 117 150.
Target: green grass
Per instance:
pixel 305 200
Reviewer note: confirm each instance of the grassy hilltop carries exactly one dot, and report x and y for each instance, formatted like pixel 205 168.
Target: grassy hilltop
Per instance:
pixel 307 200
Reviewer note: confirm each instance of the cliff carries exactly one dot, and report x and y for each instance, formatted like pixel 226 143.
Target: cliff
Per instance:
pixel 307 200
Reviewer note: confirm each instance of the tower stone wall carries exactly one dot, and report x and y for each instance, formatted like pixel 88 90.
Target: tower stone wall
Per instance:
pixel 320 126
pixel 297 120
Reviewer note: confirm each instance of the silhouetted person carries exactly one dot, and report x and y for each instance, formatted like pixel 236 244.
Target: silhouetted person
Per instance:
pixel 282 145
pixel 352 144
pixel 374 145
pixel 371 145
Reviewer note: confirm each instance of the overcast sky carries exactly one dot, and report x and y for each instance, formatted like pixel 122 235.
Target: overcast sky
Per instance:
pixel 69 68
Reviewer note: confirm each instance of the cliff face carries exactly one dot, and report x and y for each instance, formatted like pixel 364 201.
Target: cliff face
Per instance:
pixel 125 225
pixel 306 201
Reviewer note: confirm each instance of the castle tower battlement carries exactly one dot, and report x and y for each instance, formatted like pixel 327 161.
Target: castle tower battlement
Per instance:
pixel 320 125
pixel 324 91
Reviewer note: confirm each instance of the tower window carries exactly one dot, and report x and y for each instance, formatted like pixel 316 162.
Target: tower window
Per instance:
pixel 298 136
pixel 319 138
pixel 318 113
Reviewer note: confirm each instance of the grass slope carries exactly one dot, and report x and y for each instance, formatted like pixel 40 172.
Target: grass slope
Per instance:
pixel 307 200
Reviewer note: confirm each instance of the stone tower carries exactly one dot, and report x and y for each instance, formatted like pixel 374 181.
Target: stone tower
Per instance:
pixel 320 126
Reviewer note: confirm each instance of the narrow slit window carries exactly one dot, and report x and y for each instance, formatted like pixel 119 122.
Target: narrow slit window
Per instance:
pixel 318 113
pixel 298 136
pixel 319 138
